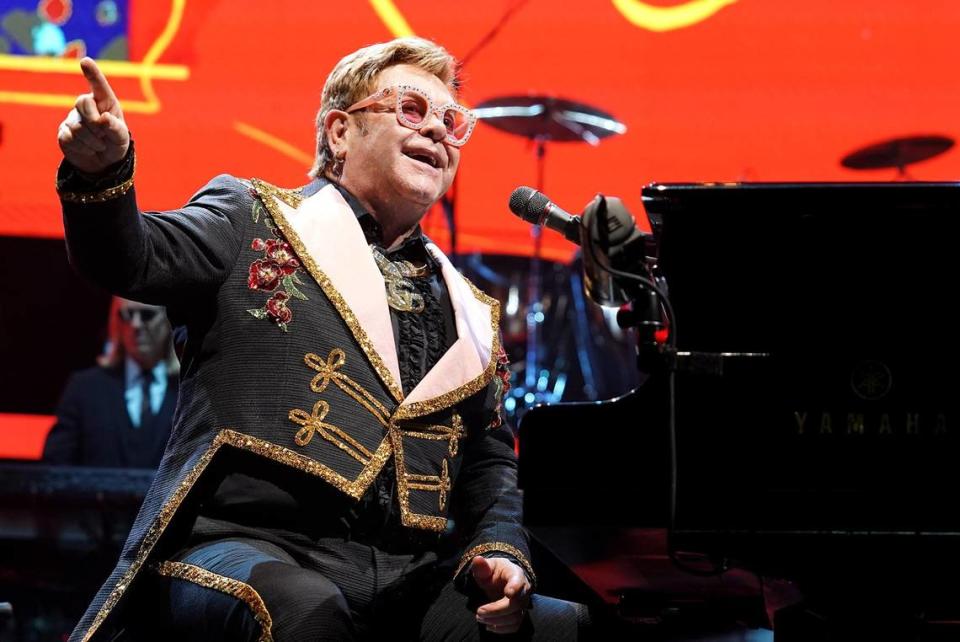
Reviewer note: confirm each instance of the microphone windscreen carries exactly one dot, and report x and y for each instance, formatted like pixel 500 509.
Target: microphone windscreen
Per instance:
pixel 528 204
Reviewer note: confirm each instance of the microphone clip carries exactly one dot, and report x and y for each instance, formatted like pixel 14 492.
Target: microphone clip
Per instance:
pixel 612 243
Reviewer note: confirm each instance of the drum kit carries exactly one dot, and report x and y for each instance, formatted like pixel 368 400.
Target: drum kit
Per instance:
pixel 562 346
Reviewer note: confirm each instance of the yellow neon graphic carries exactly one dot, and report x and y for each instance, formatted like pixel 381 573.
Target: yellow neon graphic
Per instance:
pixel 652 18
pixel 110 68
pixel 274 143
pixel 159 46
pixel 68 100
pixel 392 18
pixel 147 70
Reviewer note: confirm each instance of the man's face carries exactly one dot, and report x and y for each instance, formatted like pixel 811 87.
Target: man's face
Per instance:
pixel 144 332
pixel 380 167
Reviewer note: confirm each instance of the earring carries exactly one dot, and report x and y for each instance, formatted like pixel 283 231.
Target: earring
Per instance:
pixel 337 169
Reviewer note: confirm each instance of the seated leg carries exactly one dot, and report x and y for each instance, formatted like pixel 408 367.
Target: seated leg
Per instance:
pixel 245 589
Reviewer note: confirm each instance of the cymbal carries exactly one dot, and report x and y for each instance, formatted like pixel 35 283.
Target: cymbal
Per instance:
pixel 897 152
pixel 548 118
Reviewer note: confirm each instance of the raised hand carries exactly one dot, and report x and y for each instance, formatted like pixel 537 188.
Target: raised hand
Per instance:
pixel 506 585
pixel 94 135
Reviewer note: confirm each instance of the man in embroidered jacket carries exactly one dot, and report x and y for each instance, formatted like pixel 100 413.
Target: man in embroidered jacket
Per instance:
pixel 338 467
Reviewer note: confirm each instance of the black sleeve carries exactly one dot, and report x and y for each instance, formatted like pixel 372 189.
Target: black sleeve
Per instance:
pixel 487 501
pixel 64 443
pixel 158 257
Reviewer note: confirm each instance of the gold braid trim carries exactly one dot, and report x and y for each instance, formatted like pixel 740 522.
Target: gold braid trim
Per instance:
pixel 314 423
pixel 159 525
pixel 407 516
pixel 329 370
pixel 433 483
pixel 354 489
pixel 268 193
pixel 239 440
pixel 499 547
pixel 103 195
pixel 235 588
pixel 438 432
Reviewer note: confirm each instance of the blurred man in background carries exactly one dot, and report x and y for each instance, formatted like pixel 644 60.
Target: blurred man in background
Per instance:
pixel 119 412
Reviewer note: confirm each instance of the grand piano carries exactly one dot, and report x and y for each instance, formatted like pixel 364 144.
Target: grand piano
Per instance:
pixel 807 427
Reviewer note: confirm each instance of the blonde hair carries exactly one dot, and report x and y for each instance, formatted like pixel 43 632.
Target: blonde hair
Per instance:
pixel 353 79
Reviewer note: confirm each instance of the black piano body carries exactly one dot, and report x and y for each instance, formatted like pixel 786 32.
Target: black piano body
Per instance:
pixel 819 438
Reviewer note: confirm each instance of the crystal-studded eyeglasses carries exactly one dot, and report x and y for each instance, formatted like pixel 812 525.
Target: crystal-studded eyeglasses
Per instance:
pixel 413 107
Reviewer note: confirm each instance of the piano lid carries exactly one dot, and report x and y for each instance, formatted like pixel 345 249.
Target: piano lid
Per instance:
pixel 660 198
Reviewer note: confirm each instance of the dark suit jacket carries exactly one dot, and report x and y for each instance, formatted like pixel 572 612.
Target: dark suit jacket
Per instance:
pixel 93 427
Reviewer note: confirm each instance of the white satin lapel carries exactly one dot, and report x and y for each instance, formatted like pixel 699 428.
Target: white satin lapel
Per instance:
pixel 331 235
pixel 470 354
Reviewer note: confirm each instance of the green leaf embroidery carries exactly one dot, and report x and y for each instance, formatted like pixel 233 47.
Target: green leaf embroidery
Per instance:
pixel 292 289
pixel 269 222
pixel 296 279
pixel 283 326
pixel 260 313
pixel 257 211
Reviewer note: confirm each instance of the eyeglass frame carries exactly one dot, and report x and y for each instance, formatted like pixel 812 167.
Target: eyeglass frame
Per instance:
pixel 398 90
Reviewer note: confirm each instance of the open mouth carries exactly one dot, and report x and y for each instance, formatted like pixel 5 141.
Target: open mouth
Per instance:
pixel 423 158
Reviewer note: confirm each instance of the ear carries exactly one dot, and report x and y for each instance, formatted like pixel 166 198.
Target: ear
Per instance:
pixel 335 126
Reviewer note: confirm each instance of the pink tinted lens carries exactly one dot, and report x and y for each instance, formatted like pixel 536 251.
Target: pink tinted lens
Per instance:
pixel 456 123
pixel 413 107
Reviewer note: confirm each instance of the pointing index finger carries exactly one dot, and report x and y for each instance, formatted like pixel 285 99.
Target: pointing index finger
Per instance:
pixel 102 92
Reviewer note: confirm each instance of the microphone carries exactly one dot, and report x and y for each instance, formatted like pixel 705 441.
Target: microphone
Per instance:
pixel 534 207
pixel 605 230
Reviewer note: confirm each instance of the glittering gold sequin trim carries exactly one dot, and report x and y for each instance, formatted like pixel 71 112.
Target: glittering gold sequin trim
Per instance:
pixel 291 197
pixel 260 447
pixel 314 424
pixel 159 525
pixel 452 433
pixel 354 488
pixel 407 516
pixel 235 588
pixel 103 195
pixel 268 193
pixel 499 547
pixel 433 483
pixel 329 370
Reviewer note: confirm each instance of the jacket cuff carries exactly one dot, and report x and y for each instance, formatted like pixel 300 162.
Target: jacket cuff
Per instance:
pixel 73 186
pixel 498 549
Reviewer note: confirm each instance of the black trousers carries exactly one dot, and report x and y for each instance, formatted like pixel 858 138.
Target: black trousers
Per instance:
pixel 247 589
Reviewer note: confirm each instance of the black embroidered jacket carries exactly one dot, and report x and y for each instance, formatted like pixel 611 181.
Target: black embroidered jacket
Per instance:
pixel 290 361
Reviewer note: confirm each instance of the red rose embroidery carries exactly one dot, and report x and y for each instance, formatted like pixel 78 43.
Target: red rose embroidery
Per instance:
pixel 502 373
pixel 277 268
pixel 277 308
pixel 264 275
pixel 282 253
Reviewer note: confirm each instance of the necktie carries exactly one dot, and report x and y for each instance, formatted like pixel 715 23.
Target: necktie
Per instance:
pixel 146 409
